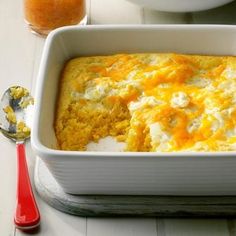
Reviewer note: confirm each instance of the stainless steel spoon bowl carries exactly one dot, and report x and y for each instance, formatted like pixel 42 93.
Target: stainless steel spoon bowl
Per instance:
pixel 15 120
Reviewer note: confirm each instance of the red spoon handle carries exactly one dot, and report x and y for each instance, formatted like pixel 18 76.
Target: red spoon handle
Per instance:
pixel 27 214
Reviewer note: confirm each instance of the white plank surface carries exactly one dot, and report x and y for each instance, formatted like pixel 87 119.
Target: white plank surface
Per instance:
pixel 19 61
pixel 16 59
pixel 195 227
pixel 114 12
pixel 151 17
pixel 55 223
pixel 121 226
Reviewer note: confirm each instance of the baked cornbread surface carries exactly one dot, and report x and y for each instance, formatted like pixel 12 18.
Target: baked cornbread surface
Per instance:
pixel 152 102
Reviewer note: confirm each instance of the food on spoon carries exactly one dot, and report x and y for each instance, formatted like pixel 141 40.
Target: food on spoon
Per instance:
pixel 22 128
pixel 10 114
pixel 152 102
pixel 26 102
pixel 23 100
pixel 23 94
pixel 18 92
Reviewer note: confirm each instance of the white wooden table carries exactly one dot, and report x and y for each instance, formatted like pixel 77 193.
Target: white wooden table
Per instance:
pixel 20 53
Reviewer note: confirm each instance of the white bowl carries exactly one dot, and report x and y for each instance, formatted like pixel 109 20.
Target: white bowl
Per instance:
pixel 103 172
pixel 181 5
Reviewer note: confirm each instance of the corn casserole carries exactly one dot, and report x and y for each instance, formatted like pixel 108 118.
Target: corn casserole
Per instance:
pixel 153 102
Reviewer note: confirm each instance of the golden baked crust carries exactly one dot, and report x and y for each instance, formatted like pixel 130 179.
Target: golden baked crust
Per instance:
pixel 152 102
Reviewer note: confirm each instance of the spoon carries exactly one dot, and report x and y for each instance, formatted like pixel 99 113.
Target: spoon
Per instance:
pixel 15 108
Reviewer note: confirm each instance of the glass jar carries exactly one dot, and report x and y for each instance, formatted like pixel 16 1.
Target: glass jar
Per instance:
pixel 42 16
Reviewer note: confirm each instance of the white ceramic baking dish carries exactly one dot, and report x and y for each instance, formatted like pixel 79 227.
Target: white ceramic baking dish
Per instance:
pixel 111 172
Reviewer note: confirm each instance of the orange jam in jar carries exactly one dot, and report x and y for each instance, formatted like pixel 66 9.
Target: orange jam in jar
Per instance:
pixel 42 16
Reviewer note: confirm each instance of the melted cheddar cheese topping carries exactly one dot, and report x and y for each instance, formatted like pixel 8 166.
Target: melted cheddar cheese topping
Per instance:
pixel 152 102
